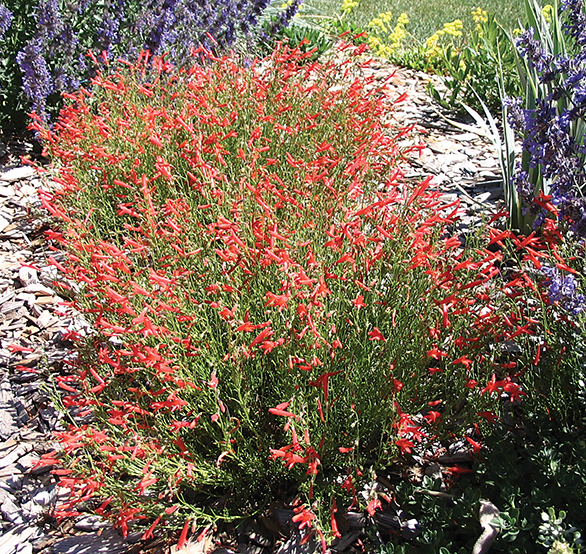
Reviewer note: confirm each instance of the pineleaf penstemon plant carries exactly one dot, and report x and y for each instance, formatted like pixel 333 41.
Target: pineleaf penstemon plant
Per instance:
pixel 277 313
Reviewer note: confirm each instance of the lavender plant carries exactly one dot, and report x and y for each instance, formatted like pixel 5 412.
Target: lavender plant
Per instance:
pixel 54 37
pixel 16 29
pixel 6 18
pixel 551 120
pixel 549 181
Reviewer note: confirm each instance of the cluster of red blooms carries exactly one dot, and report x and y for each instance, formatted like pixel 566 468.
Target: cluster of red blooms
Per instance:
pixel 244 244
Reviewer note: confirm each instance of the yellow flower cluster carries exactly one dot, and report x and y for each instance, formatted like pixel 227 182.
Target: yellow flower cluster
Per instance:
pixel 379 25
pixel 383 39
pixel 453 28
pixel 547 12
pixel 349 5
pixel 399 32
pixel 479 16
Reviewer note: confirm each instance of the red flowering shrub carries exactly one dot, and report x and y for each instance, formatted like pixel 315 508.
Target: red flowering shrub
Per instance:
pixel 276 312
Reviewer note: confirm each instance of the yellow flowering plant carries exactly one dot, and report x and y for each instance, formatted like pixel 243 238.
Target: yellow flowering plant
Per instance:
pixel 467 55
pixel 349 6
pixel 479 17
pixel 548 13
pixel 470 61
pixel 384 38
pixel 435 44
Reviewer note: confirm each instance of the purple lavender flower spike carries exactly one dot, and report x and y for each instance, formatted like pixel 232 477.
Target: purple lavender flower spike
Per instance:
pixel 532 49
pixel 49 20
pixel 5 20
pixel 283 20
pixel 108 33
pixel 36 78
pixel 576 26
pixel 159 40
pixel 52 61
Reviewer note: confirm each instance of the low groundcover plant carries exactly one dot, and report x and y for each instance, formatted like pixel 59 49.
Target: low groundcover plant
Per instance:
pixel 277 314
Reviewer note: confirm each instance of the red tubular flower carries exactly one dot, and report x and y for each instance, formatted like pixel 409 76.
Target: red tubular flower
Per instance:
pixel 265 334
pixel 405 445
pixel 436 353
pixel 303 517
pixel 491 417
pixel 513 390
pixel 375 334
pixel 456 471
pixel 279 410
pixel 289 457
pixel 183 537
pixel 149 533
pixel 322 382
pixel 492 386
pixel 464 360
pixel 213 382
pixel 431 417
pixel 246 326
pixel 397 385
pixel 276 300
pixel 476 446
pixel 374 505
pixel 334 522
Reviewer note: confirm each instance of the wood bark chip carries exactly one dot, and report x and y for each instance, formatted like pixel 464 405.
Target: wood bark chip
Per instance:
pixel 8 414
pixel 487 514
pixel 18 535
pixel 108 542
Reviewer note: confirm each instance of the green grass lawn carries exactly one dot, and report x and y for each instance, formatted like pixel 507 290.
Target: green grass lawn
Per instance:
pixel 425 16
